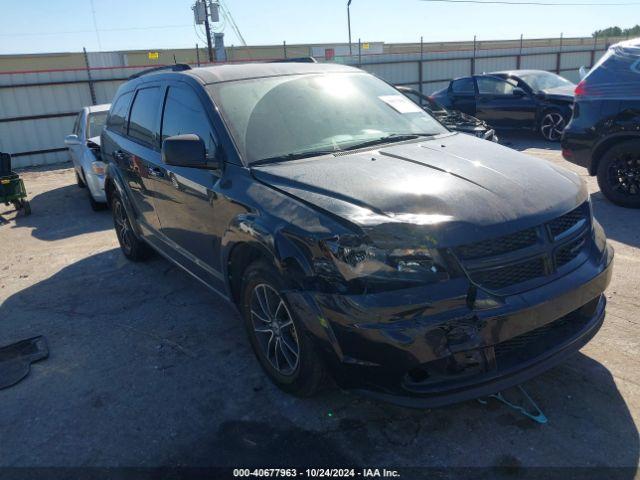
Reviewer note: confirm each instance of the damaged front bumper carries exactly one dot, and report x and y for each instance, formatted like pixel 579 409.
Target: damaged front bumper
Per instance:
pixel 429 346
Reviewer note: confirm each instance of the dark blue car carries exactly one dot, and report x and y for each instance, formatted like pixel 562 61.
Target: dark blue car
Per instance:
pixel 513 100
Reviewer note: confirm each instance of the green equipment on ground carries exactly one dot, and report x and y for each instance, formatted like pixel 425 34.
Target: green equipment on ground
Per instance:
pixel 12 189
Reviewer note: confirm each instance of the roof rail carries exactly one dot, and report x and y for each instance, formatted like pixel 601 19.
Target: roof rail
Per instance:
pixel 178 67
pixel 295 60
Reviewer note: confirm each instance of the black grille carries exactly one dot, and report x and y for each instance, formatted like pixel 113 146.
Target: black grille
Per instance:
pixel 495 274
pixel 566 221
pixel 502 277
pixel 498 246
pixel 569 251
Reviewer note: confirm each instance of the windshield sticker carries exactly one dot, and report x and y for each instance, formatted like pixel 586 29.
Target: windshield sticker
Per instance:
pixel 400 103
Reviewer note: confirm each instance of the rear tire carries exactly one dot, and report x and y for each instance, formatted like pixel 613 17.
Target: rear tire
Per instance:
pixel 619 174
pixel 132 247
pixel 284 348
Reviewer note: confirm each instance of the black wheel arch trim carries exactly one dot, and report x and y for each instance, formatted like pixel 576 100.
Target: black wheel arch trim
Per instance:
pixel 274 245
pixel 113 177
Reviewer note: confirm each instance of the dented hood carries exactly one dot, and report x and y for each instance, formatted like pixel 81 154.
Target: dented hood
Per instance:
pixel 560 93
pixel 446 187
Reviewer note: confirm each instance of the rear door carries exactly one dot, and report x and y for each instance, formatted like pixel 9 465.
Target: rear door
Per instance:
pixel 500 107
pixel 463 95
pixel 186 198
pixel 138 149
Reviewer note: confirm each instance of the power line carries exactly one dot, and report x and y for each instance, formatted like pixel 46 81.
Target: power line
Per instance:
pixel 549 4
pixel 95 24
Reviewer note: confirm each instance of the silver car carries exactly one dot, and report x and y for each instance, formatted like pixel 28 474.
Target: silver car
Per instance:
pixel 84 147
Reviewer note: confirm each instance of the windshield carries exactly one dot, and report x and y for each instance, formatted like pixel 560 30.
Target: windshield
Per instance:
pixel 544 80
pixel 96 123
pixel 287 115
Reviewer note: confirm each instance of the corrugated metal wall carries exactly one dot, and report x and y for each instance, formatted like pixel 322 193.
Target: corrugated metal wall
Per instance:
pixel 440 67
pixel 37 108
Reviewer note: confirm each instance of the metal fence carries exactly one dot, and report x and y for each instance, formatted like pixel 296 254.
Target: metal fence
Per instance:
pixel 37 108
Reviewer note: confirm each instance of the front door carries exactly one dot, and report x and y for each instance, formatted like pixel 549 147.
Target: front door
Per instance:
pixel 500 105
pixel 186 198
pixel 76 150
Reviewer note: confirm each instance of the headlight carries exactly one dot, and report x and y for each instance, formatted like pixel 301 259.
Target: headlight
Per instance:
pixel 361 261
pixel 98 167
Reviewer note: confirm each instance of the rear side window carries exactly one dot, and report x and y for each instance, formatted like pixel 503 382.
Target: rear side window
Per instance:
pixel 143 121
pixel 494 86
pixel 463 86
pixel 183 114
pixel 118 117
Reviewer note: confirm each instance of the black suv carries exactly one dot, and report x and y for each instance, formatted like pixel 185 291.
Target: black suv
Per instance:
pixel 356 234
pixel 604 133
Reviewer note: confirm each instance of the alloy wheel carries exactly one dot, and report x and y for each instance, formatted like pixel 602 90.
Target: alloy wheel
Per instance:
pixel 123 228
pixel 624 174
pixel 274 329
pixel 552 126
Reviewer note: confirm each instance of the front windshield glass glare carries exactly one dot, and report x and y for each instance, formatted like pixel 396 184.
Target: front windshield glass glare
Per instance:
pixel 544 80
pixel 279 116
pixel 96 123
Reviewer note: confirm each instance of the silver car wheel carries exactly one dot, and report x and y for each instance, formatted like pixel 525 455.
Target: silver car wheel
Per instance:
pixel 274 329
pixel 552 126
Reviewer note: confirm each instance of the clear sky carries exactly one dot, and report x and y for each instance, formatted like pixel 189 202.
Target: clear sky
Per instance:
pixel 30 26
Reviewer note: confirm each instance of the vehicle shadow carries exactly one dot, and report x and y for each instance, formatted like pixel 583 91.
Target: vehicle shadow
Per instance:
pixel 619 223
pixel 62 213
pixel 149 369
pixel 524 140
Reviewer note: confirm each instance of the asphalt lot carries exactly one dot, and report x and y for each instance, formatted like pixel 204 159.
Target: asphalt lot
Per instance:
pixel 148 368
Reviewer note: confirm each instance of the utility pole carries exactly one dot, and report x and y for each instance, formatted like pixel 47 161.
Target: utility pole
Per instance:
pixel 208 29
pixel 349 25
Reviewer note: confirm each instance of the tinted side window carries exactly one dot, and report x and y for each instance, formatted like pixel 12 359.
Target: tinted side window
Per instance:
pixel 494 86
pixel 463 86
pixel 184 113
pixel 143 122
pixel 118 116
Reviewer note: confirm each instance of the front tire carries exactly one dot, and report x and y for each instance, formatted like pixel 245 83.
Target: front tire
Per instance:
pixel 80 181
pixel 132 247
pixel 619 174
pixel 279 340
pixel 552 125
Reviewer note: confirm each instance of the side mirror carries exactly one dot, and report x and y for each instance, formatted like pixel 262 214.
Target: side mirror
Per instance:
pixel 186 151
pixel 518 92
pixel 72 140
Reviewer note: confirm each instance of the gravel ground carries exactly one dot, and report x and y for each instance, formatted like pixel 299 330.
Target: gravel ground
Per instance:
pixel 147 368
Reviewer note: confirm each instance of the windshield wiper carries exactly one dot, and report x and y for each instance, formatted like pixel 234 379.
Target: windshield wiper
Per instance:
pixel 394 137
pixel 293 156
